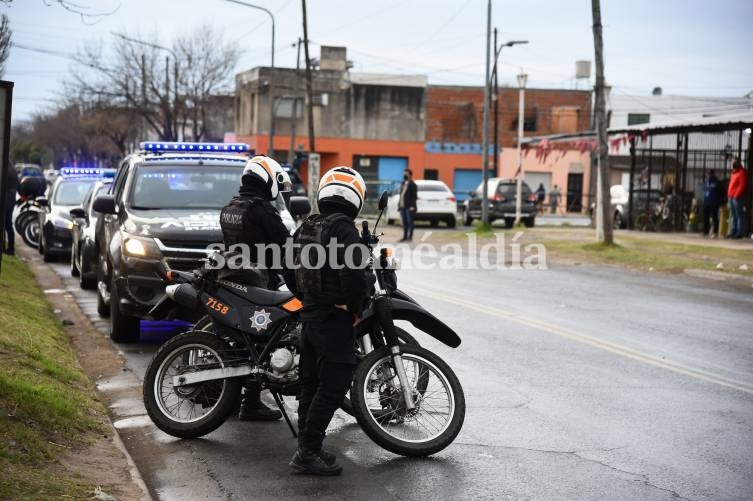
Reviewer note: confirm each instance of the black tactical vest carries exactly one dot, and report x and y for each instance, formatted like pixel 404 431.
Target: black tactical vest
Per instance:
pixel 234 221
pixel 322 285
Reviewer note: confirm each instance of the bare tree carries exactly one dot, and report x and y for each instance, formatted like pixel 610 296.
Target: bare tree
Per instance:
pixel 604 232
pixel 138 78
pixel 207 62
pixel 5 42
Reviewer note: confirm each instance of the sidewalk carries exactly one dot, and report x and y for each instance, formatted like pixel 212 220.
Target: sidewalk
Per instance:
pixel 743 244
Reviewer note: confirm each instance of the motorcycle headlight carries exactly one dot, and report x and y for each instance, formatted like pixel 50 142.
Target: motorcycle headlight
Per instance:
pixel 62 222
pixel 139 246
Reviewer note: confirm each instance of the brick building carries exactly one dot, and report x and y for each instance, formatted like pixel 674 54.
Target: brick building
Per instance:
pixel 381 124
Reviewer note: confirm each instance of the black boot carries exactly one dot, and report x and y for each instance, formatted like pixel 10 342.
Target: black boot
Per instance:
pixel 312 463
pixel 252 409
pixel 327 456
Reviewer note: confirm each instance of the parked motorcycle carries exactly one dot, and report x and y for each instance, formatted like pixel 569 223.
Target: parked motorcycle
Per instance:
pixel 26 223
pixel 406 399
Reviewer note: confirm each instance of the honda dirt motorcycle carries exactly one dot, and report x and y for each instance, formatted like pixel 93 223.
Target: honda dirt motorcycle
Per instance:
pixel 403 396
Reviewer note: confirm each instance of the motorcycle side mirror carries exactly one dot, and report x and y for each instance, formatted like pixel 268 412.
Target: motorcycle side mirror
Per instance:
pixel 299 206
pixel 383 200
pixel 42 201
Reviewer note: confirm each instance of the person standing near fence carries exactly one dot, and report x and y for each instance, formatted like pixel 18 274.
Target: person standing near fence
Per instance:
pixel 711 201
pixel 407 204
pixel 554 199
pixel 735 193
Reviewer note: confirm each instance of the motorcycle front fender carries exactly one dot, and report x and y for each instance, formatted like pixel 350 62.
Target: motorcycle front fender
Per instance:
pixel 417 316
pixel 398 294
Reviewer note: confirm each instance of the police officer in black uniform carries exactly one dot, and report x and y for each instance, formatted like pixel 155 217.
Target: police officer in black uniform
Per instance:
pixel 251 219
pixel 332 301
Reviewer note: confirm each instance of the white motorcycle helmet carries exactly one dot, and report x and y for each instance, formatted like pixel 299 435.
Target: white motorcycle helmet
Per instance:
pixel 343 186
pixel 266 172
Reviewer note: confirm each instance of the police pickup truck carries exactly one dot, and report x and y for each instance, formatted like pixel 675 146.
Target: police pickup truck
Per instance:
pixel 161 210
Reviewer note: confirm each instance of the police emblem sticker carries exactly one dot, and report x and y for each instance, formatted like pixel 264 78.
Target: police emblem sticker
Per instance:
pixel 261 320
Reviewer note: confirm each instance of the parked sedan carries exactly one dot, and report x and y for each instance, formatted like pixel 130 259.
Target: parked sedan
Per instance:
pixel 435 203
pixel 502 197
pixel 67 192
pixel 620 196
pixel 84 246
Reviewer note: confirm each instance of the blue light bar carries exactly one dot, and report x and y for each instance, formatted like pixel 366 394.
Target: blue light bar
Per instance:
pixel 162 146
pixel 81 172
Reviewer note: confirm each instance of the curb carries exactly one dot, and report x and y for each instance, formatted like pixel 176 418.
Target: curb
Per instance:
pixel 36 265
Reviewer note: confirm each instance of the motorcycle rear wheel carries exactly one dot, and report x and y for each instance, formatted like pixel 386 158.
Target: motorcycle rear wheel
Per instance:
pixel 165 404
pixel 440 408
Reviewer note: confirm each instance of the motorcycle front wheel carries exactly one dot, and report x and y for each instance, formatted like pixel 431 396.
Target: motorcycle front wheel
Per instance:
pixel 439 402
pixel 194 410
pixel 404 338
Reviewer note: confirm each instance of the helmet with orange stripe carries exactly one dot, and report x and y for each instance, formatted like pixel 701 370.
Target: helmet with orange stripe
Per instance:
pixel 266 173
pixel 342 186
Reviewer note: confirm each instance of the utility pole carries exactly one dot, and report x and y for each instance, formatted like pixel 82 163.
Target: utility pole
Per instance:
pixel 495 98
pixel 313 156
pixel 485 141
pixel 520 173
pixel 604 231
pixel 294 120
pixel 309 90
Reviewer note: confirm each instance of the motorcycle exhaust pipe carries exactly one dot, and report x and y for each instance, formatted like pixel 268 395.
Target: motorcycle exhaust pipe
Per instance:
pixel 183 294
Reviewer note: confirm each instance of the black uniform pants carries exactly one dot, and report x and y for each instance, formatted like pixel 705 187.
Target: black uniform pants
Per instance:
pixel 326 366
pixel 710 217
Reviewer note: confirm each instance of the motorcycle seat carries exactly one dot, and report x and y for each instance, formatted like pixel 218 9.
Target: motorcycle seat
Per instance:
pixel 246 276
pixel 266 297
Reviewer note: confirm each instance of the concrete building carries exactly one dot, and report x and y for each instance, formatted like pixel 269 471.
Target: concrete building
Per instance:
pixel 381 124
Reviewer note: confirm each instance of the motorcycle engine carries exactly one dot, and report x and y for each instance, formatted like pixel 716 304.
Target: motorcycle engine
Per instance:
pixel 282 360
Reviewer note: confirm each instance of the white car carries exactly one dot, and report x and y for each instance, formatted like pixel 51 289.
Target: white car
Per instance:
pixel 435 203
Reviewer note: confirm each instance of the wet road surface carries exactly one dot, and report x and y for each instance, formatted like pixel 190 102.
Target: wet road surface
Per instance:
pixel 580 381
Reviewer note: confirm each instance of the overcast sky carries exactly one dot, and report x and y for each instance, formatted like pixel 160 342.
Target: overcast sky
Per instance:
pixel 690 47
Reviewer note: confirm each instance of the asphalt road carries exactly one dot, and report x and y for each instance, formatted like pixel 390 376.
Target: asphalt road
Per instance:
pixel 581 382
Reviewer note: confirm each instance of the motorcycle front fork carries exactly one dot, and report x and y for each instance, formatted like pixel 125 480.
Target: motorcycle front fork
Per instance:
pixel 397 360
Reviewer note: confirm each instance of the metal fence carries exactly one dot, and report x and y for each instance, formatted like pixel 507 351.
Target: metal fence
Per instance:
pixel 676 165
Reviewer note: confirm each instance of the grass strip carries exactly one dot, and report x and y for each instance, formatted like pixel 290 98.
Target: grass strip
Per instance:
pixel 47 405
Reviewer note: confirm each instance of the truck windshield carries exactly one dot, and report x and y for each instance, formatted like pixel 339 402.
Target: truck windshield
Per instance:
pixel 184 186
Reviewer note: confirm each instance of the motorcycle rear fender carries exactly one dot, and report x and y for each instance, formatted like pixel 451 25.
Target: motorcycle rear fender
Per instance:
pixel 417 316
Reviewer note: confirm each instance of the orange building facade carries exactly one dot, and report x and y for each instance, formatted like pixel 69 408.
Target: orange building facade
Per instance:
pixel 382 124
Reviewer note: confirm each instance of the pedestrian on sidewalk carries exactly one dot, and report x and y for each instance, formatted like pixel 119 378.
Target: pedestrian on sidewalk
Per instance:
pixel 407 204
pixel 11 188
pixel 735 193
pixel 712 198
pixel 540 196
pixel 554 199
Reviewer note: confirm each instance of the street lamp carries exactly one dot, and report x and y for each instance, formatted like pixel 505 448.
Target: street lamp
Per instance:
pixel 175 70
pixel 522 79
pixel 270 151
pixel 487 94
